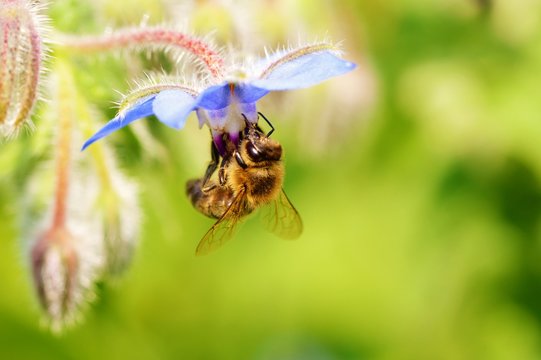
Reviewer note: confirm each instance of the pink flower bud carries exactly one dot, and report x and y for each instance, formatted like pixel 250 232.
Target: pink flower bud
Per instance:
pixel 21 53
pixel 55 267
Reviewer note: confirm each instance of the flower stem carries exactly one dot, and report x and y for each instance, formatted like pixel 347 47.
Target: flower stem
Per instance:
pixel 148 37
pixel 97 152
pixel 63 149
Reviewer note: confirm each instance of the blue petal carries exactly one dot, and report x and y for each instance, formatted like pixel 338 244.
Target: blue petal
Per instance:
pixel 138 111
pixel 172 107
pixel 217 118
pixel 304 71
pixel 249 110
pixel 215 97
pixel 247 93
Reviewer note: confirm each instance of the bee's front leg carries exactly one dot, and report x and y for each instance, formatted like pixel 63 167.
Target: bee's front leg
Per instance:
pixel 222 176
pixel 213 165
pixel 240 160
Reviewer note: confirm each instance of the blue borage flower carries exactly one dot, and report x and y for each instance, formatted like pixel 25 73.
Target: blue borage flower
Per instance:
pixel 224 103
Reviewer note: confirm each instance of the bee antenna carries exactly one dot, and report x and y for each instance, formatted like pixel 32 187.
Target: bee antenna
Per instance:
pixel 245 118
pixel 268 122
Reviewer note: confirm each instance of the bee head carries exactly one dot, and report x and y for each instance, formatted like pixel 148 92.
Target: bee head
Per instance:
pixel 258 147
pixel 263 149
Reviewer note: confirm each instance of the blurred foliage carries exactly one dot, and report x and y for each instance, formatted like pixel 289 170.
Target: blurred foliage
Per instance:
pixel 421 196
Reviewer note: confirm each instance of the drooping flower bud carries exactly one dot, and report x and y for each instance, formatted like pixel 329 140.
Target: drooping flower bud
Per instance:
pixel 67 257
pixel 55 268
pixel 119 209
pixel 21 55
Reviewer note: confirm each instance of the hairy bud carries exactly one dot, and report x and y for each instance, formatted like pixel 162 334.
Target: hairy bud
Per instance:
pixel 120 222
pixel 21 53
pixel 55 268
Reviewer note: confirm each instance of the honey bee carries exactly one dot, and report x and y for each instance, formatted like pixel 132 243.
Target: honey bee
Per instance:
pixel 249 178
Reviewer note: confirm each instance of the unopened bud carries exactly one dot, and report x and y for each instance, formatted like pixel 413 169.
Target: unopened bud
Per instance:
pixel 55 267
pixel 119 252
pixel 120 222
pixel 21 53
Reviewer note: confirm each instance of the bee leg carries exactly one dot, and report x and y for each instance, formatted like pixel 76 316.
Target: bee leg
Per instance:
pixel 222 177
pixel 268 122
pixel 240 160
pixel 221 147
pixel 215 157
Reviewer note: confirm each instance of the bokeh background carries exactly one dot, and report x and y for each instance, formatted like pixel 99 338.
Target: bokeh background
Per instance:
pixel 418 178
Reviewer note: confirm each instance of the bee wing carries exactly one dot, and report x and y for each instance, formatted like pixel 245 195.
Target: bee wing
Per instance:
pixel 281 218
pixel 223 229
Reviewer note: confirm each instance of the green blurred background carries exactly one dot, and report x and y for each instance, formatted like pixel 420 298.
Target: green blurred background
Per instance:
pixel 417 176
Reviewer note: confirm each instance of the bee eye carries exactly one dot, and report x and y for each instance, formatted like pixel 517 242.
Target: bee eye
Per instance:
pixel 253 152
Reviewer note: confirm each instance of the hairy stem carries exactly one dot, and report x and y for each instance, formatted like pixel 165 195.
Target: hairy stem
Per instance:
pixel 63 148
pixel 148 37
pixel 97 151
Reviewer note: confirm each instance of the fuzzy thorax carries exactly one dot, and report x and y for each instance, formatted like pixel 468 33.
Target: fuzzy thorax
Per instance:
pixel 261 179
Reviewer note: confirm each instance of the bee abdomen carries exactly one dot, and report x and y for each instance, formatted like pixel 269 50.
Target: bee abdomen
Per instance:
pixel 193 190
pixel 212 201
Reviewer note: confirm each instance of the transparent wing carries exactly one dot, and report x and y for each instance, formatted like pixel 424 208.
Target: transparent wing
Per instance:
pixel 281 218
pixel 224 228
